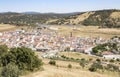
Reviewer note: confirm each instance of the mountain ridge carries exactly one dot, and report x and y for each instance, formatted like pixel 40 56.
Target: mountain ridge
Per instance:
pixel 102 18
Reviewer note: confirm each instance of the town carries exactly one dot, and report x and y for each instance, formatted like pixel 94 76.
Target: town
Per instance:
pixel 46 39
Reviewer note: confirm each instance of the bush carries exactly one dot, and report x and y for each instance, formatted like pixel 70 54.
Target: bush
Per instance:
pixel 90 59
pixel 118 60
pixel 3 49
pixel 69 66
pixel 92 69
pixel 98 60
pixel 63 56
pixel 95 66
pixel 112 67
pixel 23 57
pixel 112 60
pixel 83 62
pixel 52 62
pixel 11 70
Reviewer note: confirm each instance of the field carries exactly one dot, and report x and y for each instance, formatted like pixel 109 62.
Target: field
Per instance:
pixel 80 31
pixel 88 31
pixel 6 27
pixel 61 69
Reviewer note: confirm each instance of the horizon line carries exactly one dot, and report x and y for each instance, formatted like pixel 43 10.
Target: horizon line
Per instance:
pixel 57 12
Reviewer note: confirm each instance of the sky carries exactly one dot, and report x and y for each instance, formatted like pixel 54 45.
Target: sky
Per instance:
pixel 57 6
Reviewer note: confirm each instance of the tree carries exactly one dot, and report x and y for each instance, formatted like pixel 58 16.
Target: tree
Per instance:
pixel 112 60
pixel 112 67
pixel 95 66
pixel 52 62
pixel 92 69
pixel 98 60
pixel 3 49
pixel 83 62
pixel 69 66
pixel 118 60
pixel 23 57
pixel 11 70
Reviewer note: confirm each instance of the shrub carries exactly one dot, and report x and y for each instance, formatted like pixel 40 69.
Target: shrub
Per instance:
pixel 92 69
pixel 95 66
pixel 23 57
pixel 83 62
pixel 63 56
pixel 11 70
pixel 112 67
pixel 90 59
pixel 3 49
pixel 118 60
pixel 112 60
pixel 98 60
pixel 69 66
pixel 52 62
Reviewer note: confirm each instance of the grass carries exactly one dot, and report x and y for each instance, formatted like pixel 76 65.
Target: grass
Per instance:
pixel 61 69
pixel 88 31
pixel 77 55
pixel 7 27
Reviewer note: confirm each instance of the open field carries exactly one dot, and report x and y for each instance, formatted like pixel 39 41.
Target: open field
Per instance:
pixel 77 55
pixel 80 31
pixel 61 69
pixel 88 31
pixel 52 71
pixel 7 27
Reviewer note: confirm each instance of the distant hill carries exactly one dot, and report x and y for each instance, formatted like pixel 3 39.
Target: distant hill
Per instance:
pixel 28 18
pixel 31 12
pixel 102 18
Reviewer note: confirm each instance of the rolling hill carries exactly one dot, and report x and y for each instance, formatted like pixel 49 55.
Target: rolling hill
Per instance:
pixel 102 18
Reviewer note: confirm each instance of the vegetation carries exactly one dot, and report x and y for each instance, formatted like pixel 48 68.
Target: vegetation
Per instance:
pixel 69 66
pixel 112 67
pixel 92 69
pixel 11 70
pixel 20 19
pixel 101 18
pixel 83 62
pixel 95 66
pixel 111 47
pixel 23 58
pixel 52 62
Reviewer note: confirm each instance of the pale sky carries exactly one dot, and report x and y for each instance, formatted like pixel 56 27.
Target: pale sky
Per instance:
pixel 57 6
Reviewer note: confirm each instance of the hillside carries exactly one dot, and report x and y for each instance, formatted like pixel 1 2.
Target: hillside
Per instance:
pixel 61 69
pixel 29 18
pixel 103 18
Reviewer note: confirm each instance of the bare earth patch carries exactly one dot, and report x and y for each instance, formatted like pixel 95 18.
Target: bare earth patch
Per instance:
pixel 5 27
